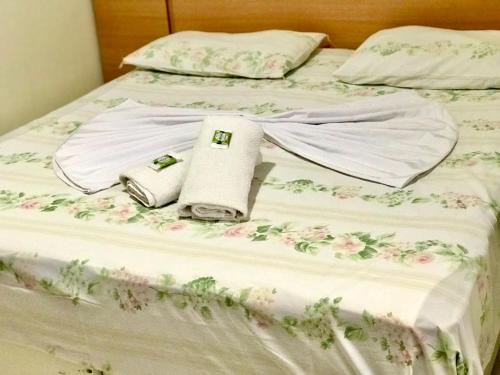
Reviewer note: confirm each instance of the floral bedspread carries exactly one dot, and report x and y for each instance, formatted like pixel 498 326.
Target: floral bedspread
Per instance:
pixel 332 274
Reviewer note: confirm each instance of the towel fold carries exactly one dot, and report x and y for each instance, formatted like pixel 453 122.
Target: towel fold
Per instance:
pixel 389 139
pixel 221 170
pixel 156 188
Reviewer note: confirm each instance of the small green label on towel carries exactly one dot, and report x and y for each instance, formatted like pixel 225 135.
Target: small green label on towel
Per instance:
pixel 221 139
pixel 164 162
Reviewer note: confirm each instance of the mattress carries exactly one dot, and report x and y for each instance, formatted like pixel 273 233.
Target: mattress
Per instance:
pixel 332 274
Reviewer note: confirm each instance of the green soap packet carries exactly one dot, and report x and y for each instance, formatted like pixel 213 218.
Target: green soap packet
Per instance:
pixel 164 162
pixel 221 139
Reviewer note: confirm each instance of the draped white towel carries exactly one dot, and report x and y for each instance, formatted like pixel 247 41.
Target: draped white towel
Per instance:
pixel 389 139
pixel 218 180
pixel 156 188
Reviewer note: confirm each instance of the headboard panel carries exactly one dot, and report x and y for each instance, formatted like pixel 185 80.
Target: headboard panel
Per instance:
pixel 348 22
pixel 125 25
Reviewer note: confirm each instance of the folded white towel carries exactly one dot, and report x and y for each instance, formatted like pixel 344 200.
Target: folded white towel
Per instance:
pixel 113 142
pixel 389 139
pixel 156 187
pixel 221 169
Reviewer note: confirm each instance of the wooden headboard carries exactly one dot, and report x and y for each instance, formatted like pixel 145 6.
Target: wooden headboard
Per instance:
pixel 125 25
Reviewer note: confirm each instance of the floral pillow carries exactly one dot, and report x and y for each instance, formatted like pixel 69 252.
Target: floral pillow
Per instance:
pixel 426 57
pixel 264 54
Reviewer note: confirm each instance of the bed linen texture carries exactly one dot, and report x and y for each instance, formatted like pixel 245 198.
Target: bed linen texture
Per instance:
pixel 332 274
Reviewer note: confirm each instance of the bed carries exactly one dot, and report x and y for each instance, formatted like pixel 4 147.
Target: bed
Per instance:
pixel 332 274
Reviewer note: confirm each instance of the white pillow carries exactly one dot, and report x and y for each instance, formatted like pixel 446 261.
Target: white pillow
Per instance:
pixel 264 54
pixel 426 57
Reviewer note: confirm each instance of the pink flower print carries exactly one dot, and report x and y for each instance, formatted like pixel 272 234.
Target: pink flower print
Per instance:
pixel 131 291
pixel 124 211
pixel 348 243
pixel 316 233
pixel 30 204
pixel 74 209
pixel 239 230
pixel 390 253
pixel 364 93
pixel 197 55
pixel 471 163
pixel 179 225
pixel 471 200
pixel 481 283
pixel 394 250
pixel 103 203
pixel 457 201
pixel 235 67
pixel 396 332
pixel 153 220
pixel 270 64
pixel 346 192
pixel 289 239
pixel 404 358
pixel 260 298
pixel 28 280
pixel 263 321
pixel 424 258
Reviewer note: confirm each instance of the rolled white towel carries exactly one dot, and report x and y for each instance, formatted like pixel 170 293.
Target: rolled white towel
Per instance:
pixel 154 185
pixel 221 170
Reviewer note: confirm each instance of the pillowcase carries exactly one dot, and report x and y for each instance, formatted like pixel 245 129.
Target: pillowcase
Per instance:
pixel 264 54
pixel 426 57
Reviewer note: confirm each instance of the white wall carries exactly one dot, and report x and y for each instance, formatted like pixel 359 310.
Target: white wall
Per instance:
pixel 48 56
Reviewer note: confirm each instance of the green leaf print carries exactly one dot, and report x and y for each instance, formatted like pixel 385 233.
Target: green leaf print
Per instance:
pixel 319 321
pixel 305 247
pixel 481 125
pixel 263 228
pixel 445 353
pixel 437 48
pixel 367 252
pixel 368 318
pixel 395 198
pixel 472 159
pixel 355 333
pixel 26 157
pixel 357 246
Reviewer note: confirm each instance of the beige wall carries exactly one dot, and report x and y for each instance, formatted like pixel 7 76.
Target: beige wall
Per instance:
pixel 48 56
